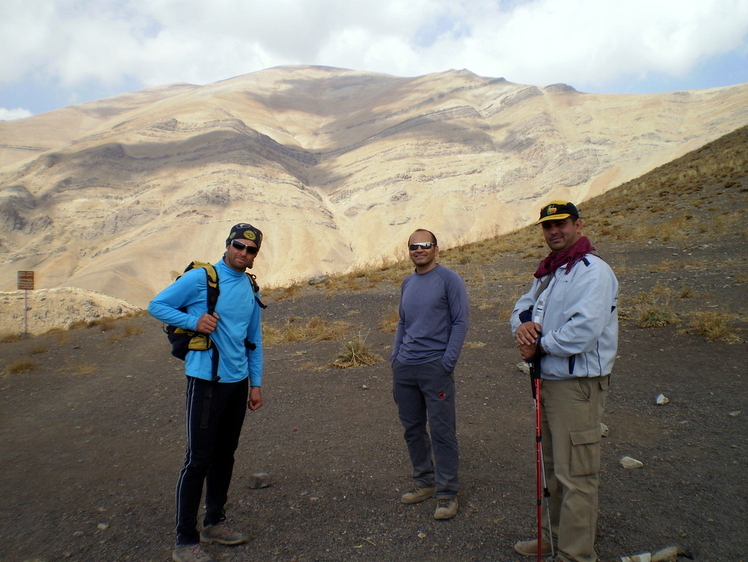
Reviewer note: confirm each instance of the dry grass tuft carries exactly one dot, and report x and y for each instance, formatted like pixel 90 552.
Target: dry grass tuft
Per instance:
pixel 106 325
pixel 295 329
pixel 21 366
pixel 714 326
pixel 655 318
pixel 649 309
pixel 356 354
pixel 128 331
pixel 388 324
pixel 323 330
pixel 61 337
pixel 288 293
pixel 8 338
pixel 686 292
pixel 505 312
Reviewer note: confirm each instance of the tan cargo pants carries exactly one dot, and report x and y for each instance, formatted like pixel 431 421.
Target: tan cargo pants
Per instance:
pixel 571 451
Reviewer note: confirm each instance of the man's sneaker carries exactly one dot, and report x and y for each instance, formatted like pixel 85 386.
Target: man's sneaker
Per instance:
pixel 418 494
pixel 530 548
pixel 446 508
pixel 190 553
pixel 222 535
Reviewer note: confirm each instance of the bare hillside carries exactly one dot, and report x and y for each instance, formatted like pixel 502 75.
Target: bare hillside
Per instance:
pixel 336 166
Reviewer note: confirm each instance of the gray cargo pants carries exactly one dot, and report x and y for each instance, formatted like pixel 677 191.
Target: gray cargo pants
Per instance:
pixel 425 395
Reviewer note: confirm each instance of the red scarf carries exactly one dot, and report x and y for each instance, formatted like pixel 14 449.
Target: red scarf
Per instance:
pixel 569 256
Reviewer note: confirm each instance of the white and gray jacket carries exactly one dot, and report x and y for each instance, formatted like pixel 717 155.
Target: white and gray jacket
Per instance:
pixel 578 313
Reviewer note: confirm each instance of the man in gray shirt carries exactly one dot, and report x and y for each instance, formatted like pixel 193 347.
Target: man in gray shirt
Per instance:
pixel 430 333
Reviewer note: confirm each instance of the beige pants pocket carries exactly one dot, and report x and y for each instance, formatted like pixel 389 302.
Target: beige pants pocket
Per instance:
pixel 585 451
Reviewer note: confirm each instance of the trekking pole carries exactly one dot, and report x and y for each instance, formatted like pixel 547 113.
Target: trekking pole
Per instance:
pixel 541 483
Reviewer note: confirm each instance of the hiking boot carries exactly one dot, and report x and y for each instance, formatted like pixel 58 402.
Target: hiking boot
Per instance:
pixel 222 535
pixel 190 553
pixel 530 548
pixel 446 508
pixel 419 494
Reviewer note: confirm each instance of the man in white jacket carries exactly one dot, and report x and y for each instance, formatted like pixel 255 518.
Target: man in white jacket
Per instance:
pixel 569 319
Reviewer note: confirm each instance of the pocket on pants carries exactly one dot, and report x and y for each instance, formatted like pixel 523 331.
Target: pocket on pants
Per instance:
pixel 585 451
pixel 444 368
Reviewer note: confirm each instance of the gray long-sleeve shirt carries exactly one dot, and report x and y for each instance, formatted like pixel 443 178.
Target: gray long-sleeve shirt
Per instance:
pixel 433 318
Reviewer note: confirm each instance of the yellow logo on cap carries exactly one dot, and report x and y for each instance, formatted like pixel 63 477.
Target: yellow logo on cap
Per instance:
pixel 249 235
pixel 551 210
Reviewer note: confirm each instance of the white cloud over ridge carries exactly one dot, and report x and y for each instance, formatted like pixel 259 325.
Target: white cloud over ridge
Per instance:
pixel 10 114
pixel 591 44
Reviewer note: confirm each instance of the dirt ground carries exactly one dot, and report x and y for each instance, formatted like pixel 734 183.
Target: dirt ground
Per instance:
pixel 91 440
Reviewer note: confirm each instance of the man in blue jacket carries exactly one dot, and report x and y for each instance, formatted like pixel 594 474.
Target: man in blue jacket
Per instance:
pixel 430 333
pixel 570 319
pixel 215 408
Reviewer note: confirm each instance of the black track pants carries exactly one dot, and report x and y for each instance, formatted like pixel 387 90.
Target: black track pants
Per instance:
pixel 215 414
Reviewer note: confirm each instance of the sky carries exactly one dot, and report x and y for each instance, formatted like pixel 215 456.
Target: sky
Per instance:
pixel 55 53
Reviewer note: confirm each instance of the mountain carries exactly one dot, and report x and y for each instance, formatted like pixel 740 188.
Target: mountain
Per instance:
pixel 336 166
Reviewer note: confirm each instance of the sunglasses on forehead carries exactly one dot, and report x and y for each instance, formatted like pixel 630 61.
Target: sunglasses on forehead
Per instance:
pixel 420 245
pixel 242 246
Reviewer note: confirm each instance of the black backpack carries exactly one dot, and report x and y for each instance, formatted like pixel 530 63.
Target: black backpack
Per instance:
pixel 182 340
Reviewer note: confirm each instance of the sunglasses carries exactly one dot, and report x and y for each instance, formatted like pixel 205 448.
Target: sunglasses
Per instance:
pixel 241 246
pixel 421 245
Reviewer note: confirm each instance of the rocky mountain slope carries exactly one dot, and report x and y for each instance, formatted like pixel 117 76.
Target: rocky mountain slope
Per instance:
pixel 684 205
pixel 336 166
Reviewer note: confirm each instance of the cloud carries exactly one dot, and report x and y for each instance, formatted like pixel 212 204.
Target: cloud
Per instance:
pixel 587 43
pixel 10 114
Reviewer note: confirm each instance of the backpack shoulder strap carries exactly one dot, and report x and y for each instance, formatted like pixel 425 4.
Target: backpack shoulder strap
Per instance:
pixel 255 288
pixel 211 278
pixel 213 289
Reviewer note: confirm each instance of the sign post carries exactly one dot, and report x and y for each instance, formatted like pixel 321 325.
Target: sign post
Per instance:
pixel 26 283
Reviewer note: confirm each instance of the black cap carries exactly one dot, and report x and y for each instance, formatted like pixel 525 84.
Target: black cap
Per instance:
pixel 558 211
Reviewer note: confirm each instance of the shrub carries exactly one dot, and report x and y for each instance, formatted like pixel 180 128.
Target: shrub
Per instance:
pixel 714 326
pixel 356 354
pixel 654 317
